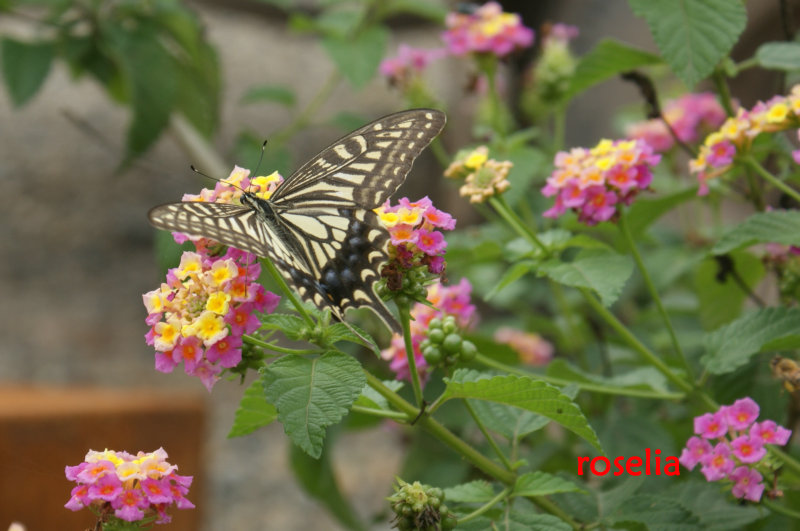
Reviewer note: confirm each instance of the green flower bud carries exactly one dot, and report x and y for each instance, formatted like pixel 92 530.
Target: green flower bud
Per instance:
pixel 452 343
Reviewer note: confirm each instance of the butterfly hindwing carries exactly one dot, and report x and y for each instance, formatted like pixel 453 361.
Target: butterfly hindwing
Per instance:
pixel 318 227
pixel 365 167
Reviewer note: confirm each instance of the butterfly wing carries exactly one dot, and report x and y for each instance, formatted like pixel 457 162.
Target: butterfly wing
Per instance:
pixel 365 167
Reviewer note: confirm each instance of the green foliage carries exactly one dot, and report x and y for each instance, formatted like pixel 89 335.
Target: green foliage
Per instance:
pixel 478 491
pixel 25 67
pixel 731 346
pixel 270 93
pixel 608 59
pixel 254 411
pixel 542 484
pixel 357 56
pixel 779 55
pixel 312 394
pixel 692 35
pixel 722 284
pixel 524 393
pixel 603 272
pixel 777 226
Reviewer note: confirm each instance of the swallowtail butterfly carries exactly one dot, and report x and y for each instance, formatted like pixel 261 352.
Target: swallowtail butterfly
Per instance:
pixel 318 227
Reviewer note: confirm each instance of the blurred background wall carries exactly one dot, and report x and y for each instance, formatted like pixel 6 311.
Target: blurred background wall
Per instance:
pixel 77 251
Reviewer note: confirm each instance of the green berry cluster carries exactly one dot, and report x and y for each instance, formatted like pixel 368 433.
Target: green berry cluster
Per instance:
pixel 420 507
pixel 444 344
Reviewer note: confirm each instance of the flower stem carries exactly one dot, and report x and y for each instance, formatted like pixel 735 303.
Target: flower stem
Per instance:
pixel 626 233
pixel 433 427
pixel 488 436
pixel 634 342
pixel 509 216
pixel 276 276
pixel 753 164
pixel 405 322
pixel 394 415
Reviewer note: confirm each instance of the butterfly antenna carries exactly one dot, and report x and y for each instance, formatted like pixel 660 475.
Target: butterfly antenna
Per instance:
pixel 198 172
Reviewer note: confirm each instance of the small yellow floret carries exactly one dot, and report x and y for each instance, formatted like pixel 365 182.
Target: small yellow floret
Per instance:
pixel 218 303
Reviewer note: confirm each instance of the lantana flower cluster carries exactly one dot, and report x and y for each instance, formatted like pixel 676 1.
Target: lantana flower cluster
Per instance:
pixel 448 300
pixel 416 240
pixel 688 116
pixel 737 133
pixel 730 444
pixel 531 348
pixel 486 30
pixel 484 177
pixel 199 315
pixel 135 486
pixel 592 182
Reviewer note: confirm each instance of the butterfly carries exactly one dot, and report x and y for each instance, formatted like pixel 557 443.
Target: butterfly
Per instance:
pixel 318 227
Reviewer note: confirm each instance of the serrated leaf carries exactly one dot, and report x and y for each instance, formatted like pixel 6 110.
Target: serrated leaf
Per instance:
pixel 519 521
pixel 312 394
pixel 605 61
pixel 254 411
pixel 602 271
pixel 656 513
pixel 25 67
pixel 350 332
pixel 358 57
pixel 712 507
pixel 777 226
pixel 779 56
pixel 542 484
pixel 719 293
pixel 732 345
pixel 524 393
pixel 478 491
pixel 692 35
pixel 371 398
pixel 644 212
pixel 270 93
pixel 511 422
pixel 289 324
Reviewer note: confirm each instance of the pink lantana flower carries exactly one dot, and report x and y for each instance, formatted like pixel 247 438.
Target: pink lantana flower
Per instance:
pixel 748 449
pixel 741 414
pixel 711 425
pixel 532 349
pixel 768 432
pixel 748 483
pixel 486 30
pixel 719 463
pixel 697 451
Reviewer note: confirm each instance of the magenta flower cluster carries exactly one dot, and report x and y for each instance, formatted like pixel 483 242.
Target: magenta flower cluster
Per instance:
pixel 689 116
pixel 415 236
pixel 730 443
pixel 134 486
pixel 208 303
pixel 487 30
pixel 592 182
pixel 448 300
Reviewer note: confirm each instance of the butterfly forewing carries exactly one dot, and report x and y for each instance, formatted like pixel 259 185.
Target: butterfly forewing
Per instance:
pixel 365 167
pixel 318 227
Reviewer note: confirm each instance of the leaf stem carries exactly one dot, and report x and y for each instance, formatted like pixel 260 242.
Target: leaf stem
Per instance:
pixel 583 386
pixel 275 348
pixel 373 412
pixel 436 429
pixel 276 276
pixel 486 506
pixel 626 233
pixel 488 436
pixel 509 216
pixel 753 164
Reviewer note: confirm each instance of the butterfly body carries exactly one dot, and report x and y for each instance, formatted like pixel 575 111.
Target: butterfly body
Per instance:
pixel 318 227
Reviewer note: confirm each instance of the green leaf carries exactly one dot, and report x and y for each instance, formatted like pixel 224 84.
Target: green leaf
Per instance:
pixel 312 394
pixel 478 491
pixel 358 57
pixel 732 345
pixel 777 226
pixel 318 479
pixel 511 422
pixel 25 67
pixel 254 411
pixel 369 397
pixel 199 89
pixel 433 10
pixel 719 293
pixel 604 272
pixel 638 378
pixel 605 61
pixel 656 513
pixel 151 75
pixel 542 484
pixel 644 212
pixel 528 163
pixel 711 506
pixel 271 93
pixel 524 393
pixel 350 332
pixel 291 325
pixel 512 274
pixel 779 55
pixel 693 35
